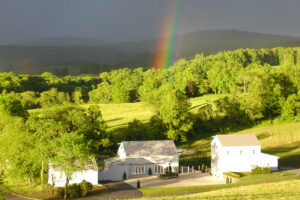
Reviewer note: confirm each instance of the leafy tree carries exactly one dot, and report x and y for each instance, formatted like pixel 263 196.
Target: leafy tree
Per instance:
pixel 77 96
pixel 11 106
pixel 72 155
pixel 43 131
pixel 2 186
pixel 135 131
pixel 102 94
pixel 174 112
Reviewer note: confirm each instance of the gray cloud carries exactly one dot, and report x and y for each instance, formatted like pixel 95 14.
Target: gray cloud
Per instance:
pixel 124 20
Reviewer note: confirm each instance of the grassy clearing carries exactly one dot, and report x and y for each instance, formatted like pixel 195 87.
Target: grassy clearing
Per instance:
pixel 254 179
pixel 275 190
pixel 282 140
pixel 39 192
pixel 118 115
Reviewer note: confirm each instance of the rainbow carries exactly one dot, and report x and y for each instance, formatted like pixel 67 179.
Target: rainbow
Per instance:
pixel 167 45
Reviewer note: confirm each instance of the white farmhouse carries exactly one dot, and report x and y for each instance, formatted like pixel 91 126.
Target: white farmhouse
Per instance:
pixel 238 153
pixel 136 157
pixel 89 173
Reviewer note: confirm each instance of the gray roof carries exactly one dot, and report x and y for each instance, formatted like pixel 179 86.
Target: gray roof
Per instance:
pixel 238 140
pixel 150 148
pixel 91 165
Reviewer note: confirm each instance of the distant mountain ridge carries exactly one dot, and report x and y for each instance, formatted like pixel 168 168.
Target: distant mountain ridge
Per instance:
pixel 63 41
pixel 49 54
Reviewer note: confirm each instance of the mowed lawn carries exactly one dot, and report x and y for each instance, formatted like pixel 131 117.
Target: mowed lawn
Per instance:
pixel 254 181
pixel 274 190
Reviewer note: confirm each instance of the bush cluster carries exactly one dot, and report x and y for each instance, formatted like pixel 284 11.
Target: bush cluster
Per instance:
pixel 76 190
pixel 261 170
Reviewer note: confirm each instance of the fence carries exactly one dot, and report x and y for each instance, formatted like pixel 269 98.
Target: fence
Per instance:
pixel 193 169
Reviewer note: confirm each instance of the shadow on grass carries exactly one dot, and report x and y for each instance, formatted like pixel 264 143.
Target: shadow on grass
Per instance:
pixel 263 136
pixel 112 120
pixel 289 155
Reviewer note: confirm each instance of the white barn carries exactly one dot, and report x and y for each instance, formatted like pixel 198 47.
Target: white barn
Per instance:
pixel 136 157
pixel 238 153
pixel 89 173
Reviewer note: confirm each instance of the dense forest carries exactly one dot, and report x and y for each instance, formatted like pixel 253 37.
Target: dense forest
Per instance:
pixel 257 85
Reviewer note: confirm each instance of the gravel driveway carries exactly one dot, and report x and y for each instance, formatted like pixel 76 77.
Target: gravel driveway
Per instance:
pixel 191 179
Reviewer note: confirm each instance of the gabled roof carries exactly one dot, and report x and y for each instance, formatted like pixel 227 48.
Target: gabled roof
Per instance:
pixel 91 165
pixel 150 148
pixel 238 140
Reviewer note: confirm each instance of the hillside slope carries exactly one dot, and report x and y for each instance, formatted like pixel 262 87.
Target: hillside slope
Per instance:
pixel 276 190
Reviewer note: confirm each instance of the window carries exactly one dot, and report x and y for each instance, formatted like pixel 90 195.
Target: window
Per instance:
pixel 140 169
pixel 227 152
pixel 241 152
pixel 253 151
pixel 158 169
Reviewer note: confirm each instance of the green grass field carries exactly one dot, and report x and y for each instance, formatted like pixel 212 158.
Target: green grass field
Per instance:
pixel 244 181
pixel 275 190
pixel 118 115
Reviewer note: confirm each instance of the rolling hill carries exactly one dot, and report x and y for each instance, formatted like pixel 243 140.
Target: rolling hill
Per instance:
pixel 49 54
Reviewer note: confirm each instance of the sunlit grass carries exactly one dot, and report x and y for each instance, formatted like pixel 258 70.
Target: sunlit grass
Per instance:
pixel 46 192
pixel 119 115
pixel 255 179
pixel 275 190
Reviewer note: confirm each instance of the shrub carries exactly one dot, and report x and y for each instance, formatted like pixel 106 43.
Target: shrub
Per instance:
pixel 74 191
pixel 85 187
pixel 202 167
pixel 227 179
pixel 138 185
pixel 61 192
pixel 167 169
pixel 261 170
pixel 175 169
pixel 150 171
pixel 124 176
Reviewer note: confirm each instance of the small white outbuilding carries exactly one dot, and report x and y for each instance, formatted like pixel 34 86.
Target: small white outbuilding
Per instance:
pixel 89 173
pixel 238 153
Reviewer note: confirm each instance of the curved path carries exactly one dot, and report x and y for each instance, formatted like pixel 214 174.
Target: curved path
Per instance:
pixel 15 197
pixel 117 190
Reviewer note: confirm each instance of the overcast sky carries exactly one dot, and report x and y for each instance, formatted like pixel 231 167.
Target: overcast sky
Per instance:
pixel 127 20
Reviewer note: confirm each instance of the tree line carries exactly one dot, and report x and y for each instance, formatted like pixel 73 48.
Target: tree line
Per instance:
pixel 256 85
